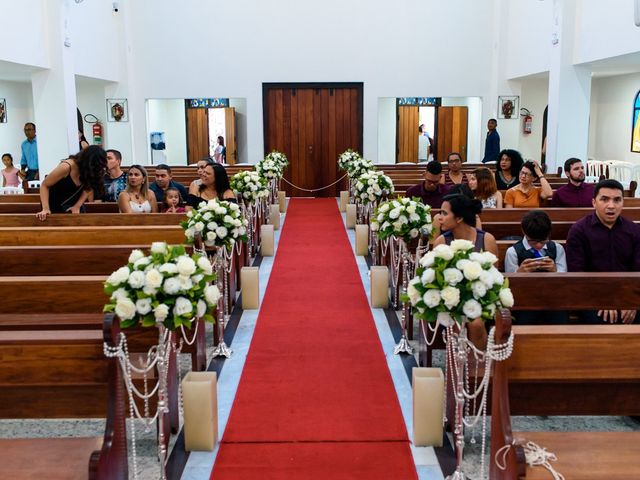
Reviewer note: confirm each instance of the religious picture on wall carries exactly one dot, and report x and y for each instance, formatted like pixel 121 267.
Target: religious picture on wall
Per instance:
pixel 117 110
pixel 635 126
pixel 508 107
pixel 3 110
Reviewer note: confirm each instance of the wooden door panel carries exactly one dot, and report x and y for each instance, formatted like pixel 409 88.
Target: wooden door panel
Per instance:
pixel 407 134
pixel 312 126
pixel 230 132
pixel 451 133
pixel 197 125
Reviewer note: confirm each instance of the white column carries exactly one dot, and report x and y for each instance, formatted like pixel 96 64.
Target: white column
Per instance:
pixel 569 92
pixel 54 92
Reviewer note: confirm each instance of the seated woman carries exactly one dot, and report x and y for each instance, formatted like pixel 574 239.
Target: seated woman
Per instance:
pixel 137 197
pixel 454 174
pixel 458 216
pixel 68 185
pixel 214 184
pixel 526 194
pixel 200 164
pixel 483 184
pixel 508 168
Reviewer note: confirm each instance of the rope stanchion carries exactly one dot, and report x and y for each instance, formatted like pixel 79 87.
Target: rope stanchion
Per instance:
pixel 311 190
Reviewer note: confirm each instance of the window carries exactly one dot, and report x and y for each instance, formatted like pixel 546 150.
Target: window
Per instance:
pixel 635 125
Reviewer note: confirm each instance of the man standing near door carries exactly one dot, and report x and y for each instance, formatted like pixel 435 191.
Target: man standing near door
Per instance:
pixel 492 143
pixel 29 161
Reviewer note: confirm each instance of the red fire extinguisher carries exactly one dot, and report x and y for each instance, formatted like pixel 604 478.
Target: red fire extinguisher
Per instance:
pixel 97 133
pixel 527 122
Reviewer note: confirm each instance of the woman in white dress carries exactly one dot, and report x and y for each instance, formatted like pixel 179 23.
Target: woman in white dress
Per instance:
pixel 137 198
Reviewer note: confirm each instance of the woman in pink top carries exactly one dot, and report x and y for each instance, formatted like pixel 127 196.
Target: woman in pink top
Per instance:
pixel 9 173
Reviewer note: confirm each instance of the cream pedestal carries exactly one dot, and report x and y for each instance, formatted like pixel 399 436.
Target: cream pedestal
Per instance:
pixel 249 279
pixel 428 404
pixel 351 215
pixel 282 201
pixel 362 240
pixel 344 199
pixel 274 216
pixel 266 240
pixel 379 286
pixel 199 393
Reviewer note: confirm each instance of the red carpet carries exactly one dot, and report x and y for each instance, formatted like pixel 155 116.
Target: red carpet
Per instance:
pixel 315 371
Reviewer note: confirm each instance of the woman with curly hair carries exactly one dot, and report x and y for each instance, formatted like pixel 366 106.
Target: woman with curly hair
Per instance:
pixel 68 185
pixel 508 168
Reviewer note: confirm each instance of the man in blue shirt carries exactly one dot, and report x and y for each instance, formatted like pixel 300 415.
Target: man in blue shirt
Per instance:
pixel 492 143
pixel 163 181
pixel 29 160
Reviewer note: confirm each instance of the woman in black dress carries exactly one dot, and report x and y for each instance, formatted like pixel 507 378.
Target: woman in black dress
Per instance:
pixel 508 168
pixel 68 185
pixel 214 184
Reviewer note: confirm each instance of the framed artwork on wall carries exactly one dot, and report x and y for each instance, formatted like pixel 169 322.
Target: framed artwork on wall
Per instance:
pixel 508 107
pixel 3 110
pixel 117 110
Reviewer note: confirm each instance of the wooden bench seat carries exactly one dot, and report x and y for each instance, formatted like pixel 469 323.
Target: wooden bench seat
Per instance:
pixel 50 458
pixel 88 220
pixel 112 235
pixel 570 370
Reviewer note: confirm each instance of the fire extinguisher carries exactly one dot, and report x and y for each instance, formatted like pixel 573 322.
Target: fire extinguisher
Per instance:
pixel 97 133
pixel 527 122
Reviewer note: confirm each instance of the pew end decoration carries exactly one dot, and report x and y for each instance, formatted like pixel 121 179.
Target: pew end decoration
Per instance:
pixel 346 157
pixel 401 228
pixel 219 225
pixel 454 286
pixel 253 192
pixel 370 189
pixel 170 290
pixel 271 167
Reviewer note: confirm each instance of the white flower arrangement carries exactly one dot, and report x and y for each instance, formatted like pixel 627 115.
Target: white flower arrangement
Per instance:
pixel 403 217
pixel 166 286
pixel 278 157
pixel 359 167
pixel 249 185
pixel 346 158
pixel 454 283
pixel 372 186
pixel 269 169
pixel 220 223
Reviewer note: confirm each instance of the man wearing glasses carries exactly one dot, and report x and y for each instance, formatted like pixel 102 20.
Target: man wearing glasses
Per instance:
pixel 454 174
pixel 431 190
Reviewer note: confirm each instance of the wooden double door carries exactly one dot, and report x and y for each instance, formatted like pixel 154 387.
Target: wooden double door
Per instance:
pixel 450 133
pixel 199 138
pixel 312 124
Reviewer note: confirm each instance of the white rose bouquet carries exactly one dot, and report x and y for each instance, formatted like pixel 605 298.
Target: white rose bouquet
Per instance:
pixel 403 218
pixel 269 169
pixel 346 158
pixel 372 186
pixel 220 223
pixel 453 282
pixel 359 167
pixel 165 286
pixel 249 185
pixel 278 157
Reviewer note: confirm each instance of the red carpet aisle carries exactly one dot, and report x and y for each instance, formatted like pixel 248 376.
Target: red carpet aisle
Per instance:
pixel 315 400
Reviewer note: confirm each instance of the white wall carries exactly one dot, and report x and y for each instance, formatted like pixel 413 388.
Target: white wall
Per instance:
pixel 19 111
pixel 534 96
pixel 386 130
pixel 168 116
pixel 22 36
pixel 381 44
pixel 90 99
pixel 611 129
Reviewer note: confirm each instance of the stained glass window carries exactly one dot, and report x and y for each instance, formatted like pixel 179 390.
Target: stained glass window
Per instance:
pixel 208 102
pixel 635 125
pixel 418 101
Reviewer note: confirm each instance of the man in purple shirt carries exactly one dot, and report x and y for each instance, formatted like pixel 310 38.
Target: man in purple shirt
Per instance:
pixel 431 191
pixel 604 241
pixel 575 193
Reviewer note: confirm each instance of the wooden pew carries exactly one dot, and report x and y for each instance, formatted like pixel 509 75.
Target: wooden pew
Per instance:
pixel 111 235
pixel 94 219
pixel 588 370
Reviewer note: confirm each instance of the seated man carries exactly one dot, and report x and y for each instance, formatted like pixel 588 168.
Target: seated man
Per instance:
pixel 430 191
pixel 164 181
pixel 604 241
pixel 536 253
pixel 576 193
pixel 115 181
pixel 454 175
